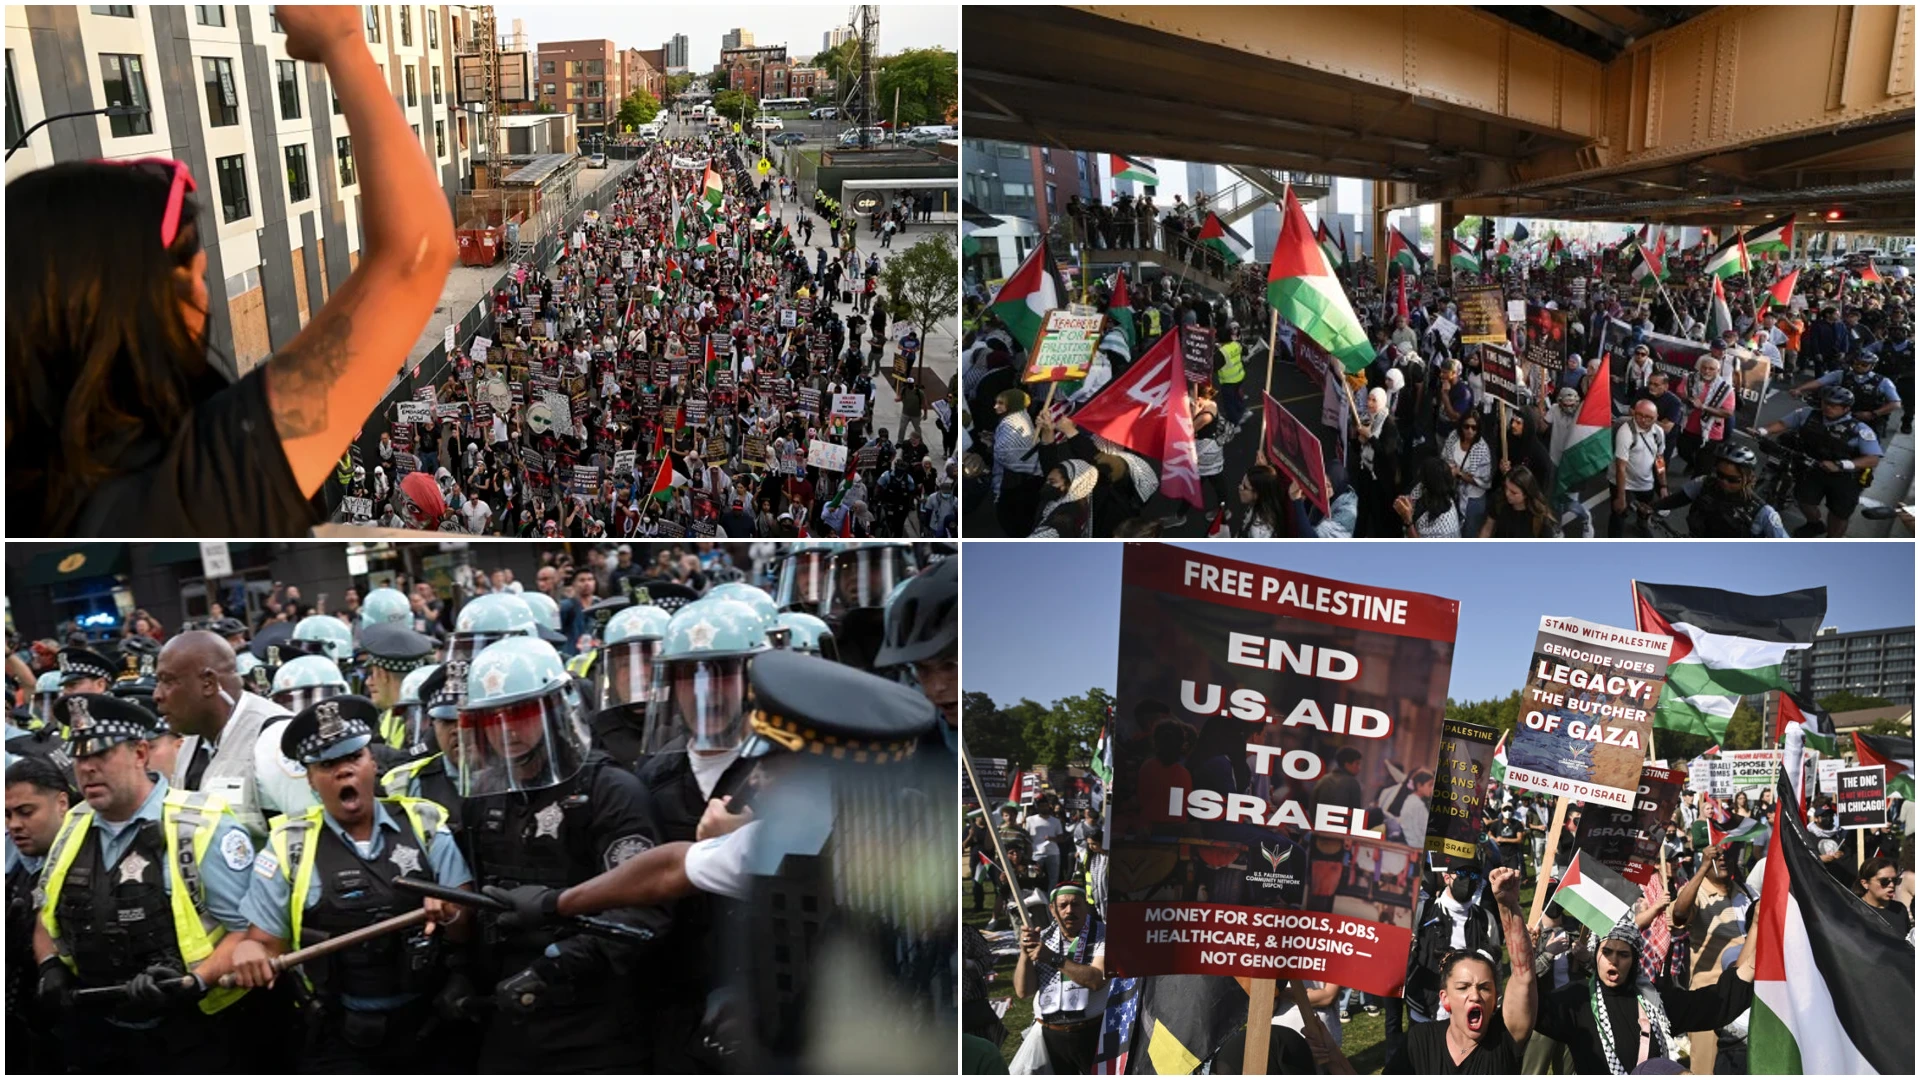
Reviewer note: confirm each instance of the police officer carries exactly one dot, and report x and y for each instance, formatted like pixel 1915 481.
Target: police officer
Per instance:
pixel 863 574
pixel 922 632
pixel 323 635
pixel 233 630
pixel 110 907
pixel 427 700
pixel 1232 372
pixel 331 870
pixel 626 676
pixel 546 614
pixel 385 605
pixel 394 651
pixel 484 620
pixel 1874 395
pixel 541 810
pixel 46 691
pixel 802 572
pixel 38 795
pixel 1724 502
pixel 695 727
pixel 824 740
pixel 83 671
pixel 1844 450
pixel 804 633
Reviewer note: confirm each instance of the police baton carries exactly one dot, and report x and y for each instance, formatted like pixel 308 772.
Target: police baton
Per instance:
pixel 590 924
pixel 107 995
pixel 338 942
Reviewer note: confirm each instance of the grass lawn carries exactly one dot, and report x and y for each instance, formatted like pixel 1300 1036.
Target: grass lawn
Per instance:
pixel 1363 1037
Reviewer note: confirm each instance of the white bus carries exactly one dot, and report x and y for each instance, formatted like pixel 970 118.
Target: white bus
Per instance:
pixel 783 104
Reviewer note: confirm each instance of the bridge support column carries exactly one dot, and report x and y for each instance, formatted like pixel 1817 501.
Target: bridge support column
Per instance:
pixel 1379 250
pixel 1443 226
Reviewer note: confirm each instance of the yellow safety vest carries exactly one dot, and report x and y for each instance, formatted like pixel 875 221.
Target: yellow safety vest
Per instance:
pixel 393 729
pixel 399 779
pixel 189 818
pixel 1153 322
pixel 291 844
pixel 583 663
pixel 1231 369
pixel 343 472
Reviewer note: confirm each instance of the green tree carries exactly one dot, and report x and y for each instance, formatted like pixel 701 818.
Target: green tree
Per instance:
pixel 1743 730
pixel 1848 701
pixel 677 85
pixel 919 284
pixel 840 61
pixel 927 81
pixel 1891 727
pixel 734 105
pixel 1502 713
pixel 990 732
pixel 640 107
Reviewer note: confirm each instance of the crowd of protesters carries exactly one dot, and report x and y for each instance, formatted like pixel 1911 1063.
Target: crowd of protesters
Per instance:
pixel 1419 444
pixel 684 367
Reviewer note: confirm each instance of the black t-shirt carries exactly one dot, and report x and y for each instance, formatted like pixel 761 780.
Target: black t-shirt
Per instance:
pixel 224 473
pixel 1425 1051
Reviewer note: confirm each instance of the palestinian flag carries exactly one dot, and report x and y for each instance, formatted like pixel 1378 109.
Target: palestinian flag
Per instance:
pixel 673 269
pixel 1555 248
pixel 1103 755
pixel 1503 256
pixel 1183 1020
pixel 1497 772
pixel 1215 235
pixel 665 481
pixel 1776 238
pixel 1401 253
pixel 1595 893
pixel 710 188
pixel 1870 276
pixel 1462 259
pixel 762 219
pixel 1033 290
pixel 1729 258
pixel 709 242
pixel 1893 751
pixel 713 360
pixel 1650 270
pixel 784 240
pixel 1726 645
pixel 1324 237
pixel 1343 244
pixel 1120 309
pixel 1782 291
pixel 1125 168
pixel 1833 982
pixel 680 236
pixel 1302 288
pixel 1589 452
pixel 1815 724
pixel 1719 317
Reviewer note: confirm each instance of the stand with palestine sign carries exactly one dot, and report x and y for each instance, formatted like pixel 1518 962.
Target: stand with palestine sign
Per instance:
pixel 1256 710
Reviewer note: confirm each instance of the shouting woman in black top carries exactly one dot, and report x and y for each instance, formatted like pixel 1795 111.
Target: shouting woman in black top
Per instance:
pixel 1484 1029
pixel 117 423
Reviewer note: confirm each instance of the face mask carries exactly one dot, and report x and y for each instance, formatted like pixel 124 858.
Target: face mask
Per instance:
pixel 1462 888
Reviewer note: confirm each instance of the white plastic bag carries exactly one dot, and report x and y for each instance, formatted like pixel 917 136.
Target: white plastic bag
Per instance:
pixel 1032 1058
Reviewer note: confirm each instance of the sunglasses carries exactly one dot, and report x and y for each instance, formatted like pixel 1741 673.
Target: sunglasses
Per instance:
pixel 1885 882
pixel 1728 477
pixel 182 181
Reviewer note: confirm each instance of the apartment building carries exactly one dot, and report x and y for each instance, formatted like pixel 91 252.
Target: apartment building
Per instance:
pixel 676 52
pixel 1871 663
pixel 835 37
pixel 278 188
pixel 736 39
pixel 643 69
pixel 760 71
pixel 583 78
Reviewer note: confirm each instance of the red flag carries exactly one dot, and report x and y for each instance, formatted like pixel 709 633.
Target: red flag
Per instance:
pixel 1146 411
pixel 1782 290
pixel 1400 306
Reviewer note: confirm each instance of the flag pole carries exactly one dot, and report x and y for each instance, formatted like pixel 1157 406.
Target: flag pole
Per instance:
pixel 1273 338
pixel 1000 850
pixel 1633 589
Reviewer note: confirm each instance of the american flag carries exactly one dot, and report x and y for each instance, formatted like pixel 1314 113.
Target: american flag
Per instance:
pixel 1116 1029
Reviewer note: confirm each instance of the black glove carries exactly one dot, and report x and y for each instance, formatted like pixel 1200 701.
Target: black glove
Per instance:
pixel 533 905
pixel 520 994
pixel 458 1000
pixel 54 991
pixel 153 989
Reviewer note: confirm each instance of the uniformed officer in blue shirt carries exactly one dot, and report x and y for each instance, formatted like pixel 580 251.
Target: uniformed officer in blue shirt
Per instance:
pixel 1844 450
pixel 331 869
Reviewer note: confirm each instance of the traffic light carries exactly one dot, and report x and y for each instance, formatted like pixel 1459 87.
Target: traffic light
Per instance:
pixel 1833 215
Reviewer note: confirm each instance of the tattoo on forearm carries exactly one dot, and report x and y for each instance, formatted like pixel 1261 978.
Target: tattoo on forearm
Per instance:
pixel 304 373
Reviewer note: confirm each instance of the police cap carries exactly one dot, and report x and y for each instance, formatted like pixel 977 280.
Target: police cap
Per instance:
pixel 803 704
pixel 99 722
pixel 77 662
pixel 395 646
pixel 327 730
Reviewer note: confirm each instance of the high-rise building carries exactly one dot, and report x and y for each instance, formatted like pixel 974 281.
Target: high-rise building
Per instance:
pixel 1871 663
pixel 278 189
pixel 583 78
pixel 736 39
pixel 837 36
pixel 676 51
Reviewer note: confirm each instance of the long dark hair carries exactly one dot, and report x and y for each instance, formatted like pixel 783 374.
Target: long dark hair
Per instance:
pixel 1539 514
pixel 98 355
pixel 1436 489
pixel 1269 500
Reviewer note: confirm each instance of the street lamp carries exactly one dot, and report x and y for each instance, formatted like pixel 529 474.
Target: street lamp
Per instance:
pixel 111 111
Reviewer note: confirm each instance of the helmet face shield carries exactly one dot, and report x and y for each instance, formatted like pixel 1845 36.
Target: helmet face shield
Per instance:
pixel 862 578
pixel 700 703
pixel 629 671
pixel 418 727
pixel 519 746
pixel 296 699
pixel 43 705
pixel 803 580
pixel 467 644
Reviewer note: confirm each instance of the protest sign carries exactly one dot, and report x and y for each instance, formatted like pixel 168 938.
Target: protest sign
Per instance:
pixel 1829 772
pixel 867 457
pixel 1483 317
pixel 1862 802
pixel 1064 349
pixel 1679 359
pixel 560 407
pixel 1516 311
pixel 1457 812
pixel 754 449
pixel 716 452
pixel 404 463
pixel 822 454
pixel 625 461
pixel 1308 356
pixel 1547 337
pixel 540 418
pixel 789 318
pixel 451 330
pixel 478 350
pixel 1445 327
pixel 696 411
pixel 414 412
pixel 1501 375
pixel 357 508
pixel 1587 711
pixel 1628 839
pixel 1295 451
pixel 1752 769
pixel 1196 354
pixel 852 406
pixel 585 480
pixel 1255 710
pixel 668 527
pixel 808 401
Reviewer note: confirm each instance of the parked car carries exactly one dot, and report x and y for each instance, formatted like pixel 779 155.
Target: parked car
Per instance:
pixel 788 138
pixel 875 136
pixel 825 112
pixel 769 123
pixel 596 161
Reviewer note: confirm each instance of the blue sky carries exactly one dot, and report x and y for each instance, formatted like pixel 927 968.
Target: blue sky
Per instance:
pixel 1038 619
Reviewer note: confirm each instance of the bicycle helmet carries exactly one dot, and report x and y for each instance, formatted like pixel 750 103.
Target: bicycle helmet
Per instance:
pixel 923 620
pixel 1737 454
pixel 1837 395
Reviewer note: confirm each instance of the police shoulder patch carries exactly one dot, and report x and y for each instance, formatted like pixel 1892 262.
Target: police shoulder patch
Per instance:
pixel 237 849
pixel 266 865
pixel 626 848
